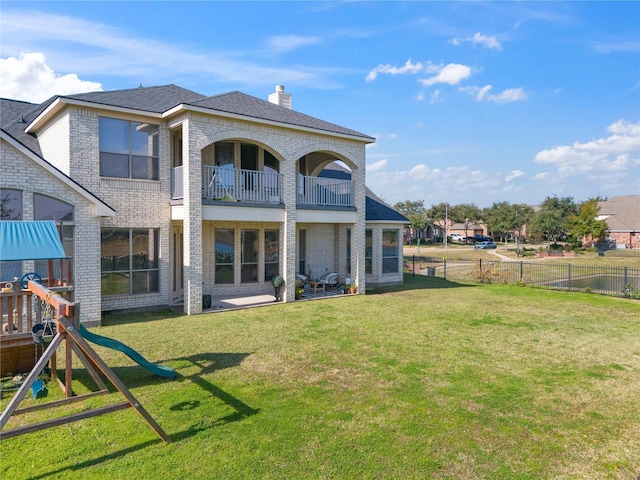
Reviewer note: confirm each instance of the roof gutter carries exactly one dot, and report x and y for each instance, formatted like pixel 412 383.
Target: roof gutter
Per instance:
pixel 61 102
pixel 102 209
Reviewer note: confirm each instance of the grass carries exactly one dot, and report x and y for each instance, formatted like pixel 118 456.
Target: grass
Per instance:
pixel 428 380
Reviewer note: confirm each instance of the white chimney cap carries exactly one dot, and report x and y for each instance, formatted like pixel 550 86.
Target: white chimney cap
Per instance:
pixel 280 98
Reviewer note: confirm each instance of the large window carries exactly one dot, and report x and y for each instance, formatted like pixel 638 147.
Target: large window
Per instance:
pixel 224 256
pixel 10 204
pixel 348 250
pixel 271 254
pixel 368 251
pixel 302 252
pixel 128 149
pixel 389 251
pixel 49 208
pixel 10 209
pixel 129 259
pixel 249 256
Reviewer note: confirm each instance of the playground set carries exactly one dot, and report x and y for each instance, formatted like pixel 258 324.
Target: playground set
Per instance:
pixel 37 321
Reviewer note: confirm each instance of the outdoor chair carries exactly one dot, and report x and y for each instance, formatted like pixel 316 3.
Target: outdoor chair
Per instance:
pixel 329 279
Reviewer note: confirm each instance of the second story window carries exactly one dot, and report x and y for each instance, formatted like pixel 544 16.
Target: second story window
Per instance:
pixel 128 149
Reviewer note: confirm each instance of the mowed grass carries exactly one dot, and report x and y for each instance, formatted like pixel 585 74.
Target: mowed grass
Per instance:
pixel 429 380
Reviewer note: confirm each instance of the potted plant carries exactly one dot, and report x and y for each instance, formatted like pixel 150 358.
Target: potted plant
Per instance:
pixel 299 292
pixel 352 287
pixel 277 283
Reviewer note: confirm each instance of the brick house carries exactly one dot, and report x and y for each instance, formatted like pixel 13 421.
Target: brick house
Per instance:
pixel 174 195
pixel 622 215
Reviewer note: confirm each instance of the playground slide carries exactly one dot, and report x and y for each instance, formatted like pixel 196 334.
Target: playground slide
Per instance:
pixel 159 370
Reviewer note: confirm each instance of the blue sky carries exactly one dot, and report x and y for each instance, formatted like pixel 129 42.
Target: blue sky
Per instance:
pixel 470 102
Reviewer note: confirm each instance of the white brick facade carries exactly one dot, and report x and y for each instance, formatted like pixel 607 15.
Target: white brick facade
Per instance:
pixel 70 139
pixel 21 173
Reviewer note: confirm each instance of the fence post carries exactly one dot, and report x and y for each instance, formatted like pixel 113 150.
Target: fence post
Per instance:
pixel 521 269
pixel 413 267
pixel 569 275
pixel 626 275
pixel 445 268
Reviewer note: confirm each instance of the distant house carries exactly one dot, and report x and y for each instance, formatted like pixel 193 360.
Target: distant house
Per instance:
pixel 622 215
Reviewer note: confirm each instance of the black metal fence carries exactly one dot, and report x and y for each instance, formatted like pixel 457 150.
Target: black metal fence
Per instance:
pixel 607 280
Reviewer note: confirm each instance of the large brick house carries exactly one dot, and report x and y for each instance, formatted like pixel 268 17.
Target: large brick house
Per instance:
pixel 166 195
pixel 622 215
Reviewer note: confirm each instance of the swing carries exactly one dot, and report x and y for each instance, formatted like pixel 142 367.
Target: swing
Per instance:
pixel 47 328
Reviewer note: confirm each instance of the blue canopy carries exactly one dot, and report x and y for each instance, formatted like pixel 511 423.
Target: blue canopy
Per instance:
pixel 30 241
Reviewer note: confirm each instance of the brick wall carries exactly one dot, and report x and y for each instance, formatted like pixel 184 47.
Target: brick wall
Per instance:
pixel 21 173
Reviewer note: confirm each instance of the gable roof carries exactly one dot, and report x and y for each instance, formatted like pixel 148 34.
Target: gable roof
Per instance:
pixel 167 100
pixel 245 105
pixel 622 213
pixel 376 209
pixel 102 209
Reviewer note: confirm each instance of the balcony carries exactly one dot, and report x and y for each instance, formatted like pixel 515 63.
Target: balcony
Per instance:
pixel 252 186
pixel 228 184
pixel 321 191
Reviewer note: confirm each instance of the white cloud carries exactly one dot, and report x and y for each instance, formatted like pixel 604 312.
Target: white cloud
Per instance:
pixel 287 43
pixel 379 165
pixel 408 67
pixel 420 97
pixel 506 96
pixel 393 136
pixel 604 158
pixel 479 39
pixel 85 47
pixel 542 176
pixel 29 78
pixel 513 175
pixel 451 74
pixel 435 97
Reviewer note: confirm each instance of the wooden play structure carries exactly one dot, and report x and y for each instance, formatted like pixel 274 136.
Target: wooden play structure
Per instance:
pixel 65 316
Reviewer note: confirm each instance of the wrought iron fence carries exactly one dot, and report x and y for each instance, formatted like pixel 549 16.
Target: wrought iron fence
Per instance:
pixel 607 280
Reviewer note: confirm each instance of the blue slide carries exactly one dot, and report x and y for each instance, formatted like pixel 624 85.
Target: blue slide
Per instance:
pixel 159 370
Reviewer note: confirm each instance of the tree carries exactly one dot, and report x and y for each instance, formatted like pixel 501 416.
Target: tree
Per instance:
pixel 499 218
pixel 415 212
pixel 466 213
pixel 438 214
pixel 552 219
pixel 585 224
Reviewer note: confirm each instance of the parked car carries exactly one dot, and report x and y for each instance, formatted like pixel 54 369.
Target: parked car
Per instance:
pixel 484 245
pixel 482 238
pixel 456 237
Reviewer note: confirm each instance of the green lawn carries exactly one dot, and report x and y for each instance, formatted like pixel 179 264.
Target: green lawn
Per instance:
pixel 430 380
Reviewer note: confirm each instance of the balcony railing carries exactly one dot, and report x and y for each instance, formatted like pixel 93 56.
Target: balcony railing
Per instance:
pixel 222 183
pixel 325 191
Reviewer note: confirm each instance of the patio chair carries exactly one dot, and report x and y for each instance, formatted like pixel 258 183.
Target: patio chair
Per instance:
pixel 329 279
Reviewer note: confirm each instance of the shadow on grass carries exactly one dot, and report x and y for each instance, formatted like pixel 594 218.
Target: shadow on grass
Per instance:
pixel 207 363
pixel 418 282
pixel 125 317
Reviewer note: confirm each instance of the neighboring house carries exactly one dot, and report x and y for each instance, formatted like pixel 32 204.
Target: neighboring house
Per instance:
pixel 622 215
pixel 472 229
pixel 166 195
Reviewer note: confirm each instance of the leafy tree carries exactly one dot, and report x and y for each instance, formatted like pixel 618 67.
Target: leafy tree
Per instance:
pixel 438 214
pixel 552 219
pixel 585 224
pixel 416 213
pixel 466 213
pixel 503 218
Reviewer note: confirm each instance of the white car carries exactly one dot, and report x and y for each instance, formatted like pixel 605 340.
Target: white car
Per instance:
pixel 456 237
pixel 484 245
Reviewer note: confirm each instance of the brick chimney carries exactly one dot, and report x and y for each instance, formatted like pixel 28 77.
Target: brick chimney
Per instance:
pixel 280 98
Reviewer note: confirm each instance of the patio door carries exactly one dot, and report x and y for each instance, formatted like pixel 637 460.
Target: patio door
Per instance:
pixel 177 294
